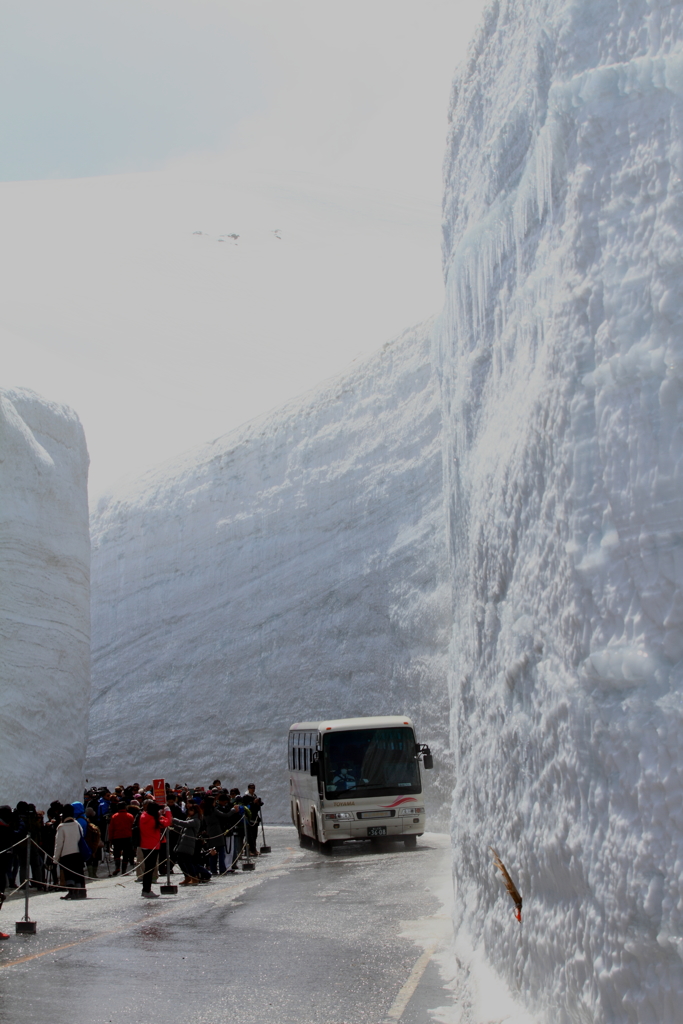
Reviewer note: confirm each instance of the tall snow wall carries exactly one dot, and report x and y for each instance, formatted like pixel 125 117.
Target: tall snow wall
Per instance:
pixel 44 600
pixel 296 568
pixel 562 371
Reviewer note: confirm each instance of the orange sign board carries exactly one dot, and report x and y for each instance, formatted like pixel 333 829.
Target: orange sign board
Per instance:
pixel 159 787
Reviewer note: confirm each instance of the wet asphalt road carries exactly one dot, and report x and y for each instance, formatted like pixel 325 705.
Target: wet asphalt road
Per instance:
pixel 304 939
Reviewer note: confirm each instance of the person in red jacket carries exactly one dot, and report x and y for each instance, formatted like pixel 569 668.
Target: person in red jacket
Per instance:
pixel 120 835
pixel 153 822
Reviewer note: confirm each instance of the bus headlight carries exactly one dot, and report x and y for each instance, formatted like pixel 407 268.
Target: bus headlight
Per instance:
pixel 340 816
pixel 410 810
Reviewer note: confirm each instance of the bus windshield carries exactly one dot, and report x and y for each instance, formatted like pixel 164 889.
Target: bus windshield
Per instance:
pixel 369 763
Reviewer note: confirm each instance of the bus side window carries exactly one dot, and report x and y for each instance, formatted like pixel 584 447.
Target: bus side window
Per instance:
pixel 298 757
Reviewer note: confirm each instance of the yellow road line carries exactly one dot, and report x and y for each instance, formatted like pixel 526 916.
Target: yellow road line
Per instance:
pixel 403 998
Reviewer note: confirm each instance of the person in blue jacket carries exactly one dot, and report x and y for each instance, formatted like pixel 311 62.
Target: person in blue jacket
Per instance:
pixel 79 815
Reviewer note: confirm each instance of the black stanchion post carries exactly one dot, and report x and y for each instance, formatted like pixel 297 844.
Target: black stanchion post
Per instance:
pixel 26 927
pixel 264 848
pixel 168 889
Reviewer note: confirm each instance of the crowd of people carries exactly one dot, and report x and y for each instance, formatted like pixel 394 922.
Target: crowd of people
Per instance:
pixel 203 831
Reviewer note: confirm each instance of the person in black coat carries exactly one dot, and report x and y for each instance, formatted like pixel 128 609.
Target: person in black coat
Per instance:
pixel 216 823
pixel 253 804
pixel 187 849
pixel 173 834
pixel 47 839
pixel 8 837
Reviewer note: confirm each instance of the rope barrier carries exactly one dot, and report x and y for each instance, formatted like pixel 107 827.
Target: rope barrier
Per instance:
pixel 51 865
pixel 77 874
pixel 52 885
pixel 18 843
pixel 122 874
pixel 217 835
pixel 8 894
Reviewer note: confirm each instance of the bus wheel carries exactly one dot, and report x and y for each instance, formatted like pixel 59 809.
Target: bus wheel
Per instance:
pixel 410 842
pixel 314 826
pixel 325 848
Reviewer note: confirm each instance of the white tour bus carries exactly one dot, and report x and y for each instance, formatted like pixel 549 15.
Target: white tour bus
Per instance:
pixel 357 778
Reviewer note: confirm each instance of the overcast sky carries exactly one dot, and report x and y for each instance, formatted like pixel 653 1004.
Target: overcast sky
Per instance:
pixel 336 114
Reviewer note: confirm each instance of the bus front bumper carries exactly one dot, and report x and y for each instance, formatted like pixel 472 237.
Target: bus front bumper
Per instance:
pixel 395 828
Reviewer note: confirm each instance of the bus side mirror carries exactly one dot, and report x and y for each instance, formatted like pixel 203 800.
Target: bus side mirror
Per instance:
pixel 424 752
pixel 315 763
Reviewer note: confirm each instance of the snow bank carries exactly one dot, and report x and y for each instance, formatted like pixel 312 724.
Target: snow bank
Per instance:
pixel 561 352
pixel 295 568
pixel 44 599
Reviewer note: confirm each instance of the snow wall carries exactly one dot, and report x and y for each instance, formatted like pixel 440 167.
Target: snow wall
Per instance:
pixel 296 568
pixel 44 600
pixel 561 354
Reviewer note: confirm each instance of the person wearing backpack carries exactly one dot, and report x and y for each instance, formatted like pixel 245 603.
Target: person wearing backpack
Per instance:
pixel 68 853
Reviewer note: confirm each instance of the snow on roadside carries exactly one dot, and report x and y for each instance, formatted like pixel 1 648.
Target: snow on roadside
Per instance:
pixel 479 995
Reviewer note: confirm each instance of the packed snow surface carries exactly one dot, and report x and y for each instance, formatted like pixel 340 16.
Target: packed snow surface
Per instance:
pixel 294 569
pixel 44 599
pixel 561 353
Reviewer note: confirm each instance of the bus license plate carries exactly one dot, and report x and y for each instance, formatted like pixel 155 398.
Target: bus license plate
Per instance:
pixel 377 830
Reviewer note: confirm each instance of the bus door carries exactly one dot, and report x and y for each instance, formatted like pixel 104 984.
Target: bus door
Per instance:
pixel 317 764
